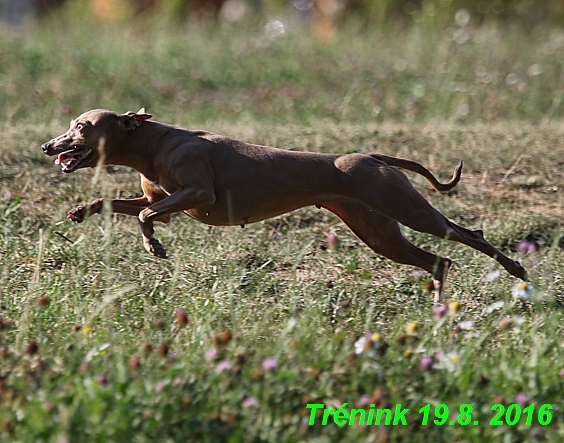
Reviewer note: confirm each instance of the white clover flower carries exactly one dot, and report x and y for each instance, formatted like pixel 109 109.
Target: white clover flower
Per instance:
pixel 492 276
pixel 523 290
pixel 359 345
pixel 494 307
pixel 368 344
pixel 449 361
pixel 466 325
pixel 518 320
pixel 453 357
pixel 472 334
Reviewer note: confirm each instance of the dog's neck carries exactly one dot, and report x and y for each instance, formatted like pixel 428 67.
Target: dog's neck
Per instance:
pixel 137 149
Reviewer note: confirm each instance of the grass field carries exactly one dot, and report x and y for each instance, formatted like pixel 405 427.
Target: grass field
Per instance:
pixel 239 330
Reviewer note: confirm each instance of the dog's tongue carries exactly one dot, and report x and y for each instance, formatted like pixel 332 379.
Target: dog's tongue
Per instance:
pixel 62 157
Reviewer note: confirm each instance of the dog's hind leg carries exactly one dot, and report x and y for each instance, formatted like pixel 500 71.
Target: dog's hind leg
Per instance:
pixel 425 218
pixel 383 235
pixel 444 228
pixel 392 195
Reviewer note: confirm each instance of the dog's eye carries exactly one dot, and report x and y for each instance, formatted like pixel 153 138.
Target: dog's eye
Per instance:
pixel 79 126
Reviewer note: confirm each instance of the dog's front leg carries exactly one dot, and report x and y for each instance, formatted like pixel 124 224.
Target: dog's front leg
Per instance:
pixel 150 243
pixel 131 206
pixel 80 213
pixel 181 200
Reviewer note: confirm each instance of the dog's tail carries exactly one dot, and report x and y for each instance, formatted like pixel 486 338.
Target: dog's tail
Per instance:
pixel 420 169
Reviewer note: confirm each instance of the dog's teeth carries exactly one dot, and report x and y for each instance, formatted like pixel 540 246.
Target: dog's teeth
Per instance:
pixel 57 161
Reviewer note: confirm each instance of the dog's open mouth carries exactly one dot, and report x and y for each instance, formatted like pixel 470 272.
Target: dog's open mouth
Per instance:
pixel 70 160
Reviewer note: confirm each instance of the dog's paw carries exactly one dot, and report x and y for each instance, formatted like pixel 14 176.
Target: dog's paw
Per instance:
pixel 77 214
pixel 154 247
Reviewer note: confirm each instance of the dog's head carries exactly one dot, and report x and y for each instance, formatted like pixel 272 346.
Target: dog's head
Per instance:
pixel 91 137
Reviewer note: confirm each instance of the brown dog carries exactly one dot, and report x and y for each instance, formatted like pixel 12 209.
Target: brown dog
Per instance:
pixel 220 181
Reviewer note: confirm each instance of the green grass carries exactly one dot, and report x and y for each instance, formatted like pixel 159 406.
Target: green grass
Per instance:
pixel 274 285
pixel 195 74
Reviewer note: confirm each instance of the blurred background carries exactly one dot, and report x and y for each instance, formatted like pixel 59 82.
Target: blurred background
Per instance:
pixel 284 60
pixel 324 16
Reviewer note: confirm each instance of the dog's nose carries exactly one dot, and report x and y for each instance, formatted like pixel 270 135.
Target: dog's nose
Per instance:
pixel 45 147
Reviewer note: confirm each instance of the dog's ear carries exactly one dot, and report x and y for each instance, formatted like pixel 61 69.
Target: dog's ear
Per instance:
pixel 131 120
